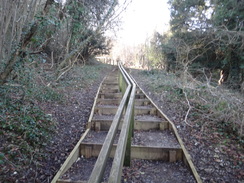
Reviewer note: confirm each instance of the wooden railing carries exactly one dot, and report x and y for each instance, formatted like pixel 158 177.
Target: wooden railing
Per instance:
pixel 127 87
pixel 123 151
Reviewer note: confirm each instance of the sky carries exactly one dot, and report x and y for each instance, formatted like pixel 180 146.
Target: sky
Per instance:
pixel 141 19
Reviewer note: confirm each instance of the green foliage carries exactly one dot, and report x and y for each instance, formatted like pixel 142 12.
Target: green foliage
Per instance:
pixel 160 53
pixel 47 27
pixel 228 13
pixel 33 87
pixel 207 34
pixel 186 15
pixel 83 22
pixel 221 106
pixel 23 125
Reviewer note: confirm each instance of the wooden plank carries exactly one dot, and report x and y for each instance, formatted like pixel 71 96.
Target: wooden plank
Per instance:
pixel 172 156
pixel 164 125
pixel 142 102
pixel 96 148
pixel 128 134
pixel 104 125
pixel 110 95
pixel 70 181
pixel 146 125
pixel 108 83
pixel 106 110
pixel 138 152
pixel 109 101
pixel 144 110
pixel 109 90
pixel 88 151
pixel 154 153
pixel 97 126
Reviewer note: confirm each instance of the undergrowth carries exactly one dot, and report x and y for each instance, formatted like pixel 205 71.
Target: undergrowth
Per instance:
pixel 82 76
pixel 24 128
pixel 210 106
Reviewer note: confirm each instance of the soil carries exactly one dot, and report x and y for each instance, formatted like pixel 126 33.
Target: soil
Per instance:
pixel 140 171
pixel 71 117
pixel 148 171
pixel 216 158
pixel 82 169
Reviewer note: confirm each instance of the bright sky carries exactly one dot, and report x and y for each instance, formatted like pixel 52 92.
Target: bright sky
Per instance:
pixel 142 18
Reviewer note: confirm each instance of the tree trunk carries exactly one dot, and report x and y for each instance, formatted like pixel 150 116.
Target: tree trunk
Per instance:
pixel 234 79
pixel 23 44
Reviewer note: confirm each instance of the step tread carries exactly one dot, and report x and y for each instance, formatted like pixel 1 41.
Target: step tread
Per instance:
pixel 97 117
pixel 145 107
pixel 146 118
pixel 105 106
pixel 152 138
pixel 81 170
pixel 140 118
pixel 139 171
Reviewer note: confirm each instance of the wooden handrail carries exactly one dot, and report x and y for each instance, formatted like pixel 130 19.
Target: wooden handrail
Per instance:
pixel 99 168
pixel 122 153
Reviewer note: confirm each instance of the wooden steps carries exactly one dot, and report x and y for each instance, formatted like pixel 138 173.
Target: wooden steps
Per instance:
pixel 144 146
pixel 154 137
pixel 145 122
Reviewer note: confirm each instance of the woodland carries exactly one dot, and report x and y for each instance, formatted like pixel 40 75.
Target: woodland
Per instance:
pixel 48 49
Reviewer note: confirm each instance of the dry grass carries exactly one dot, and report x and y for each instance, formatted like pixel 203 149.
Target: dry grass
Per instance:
pixel 204 104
